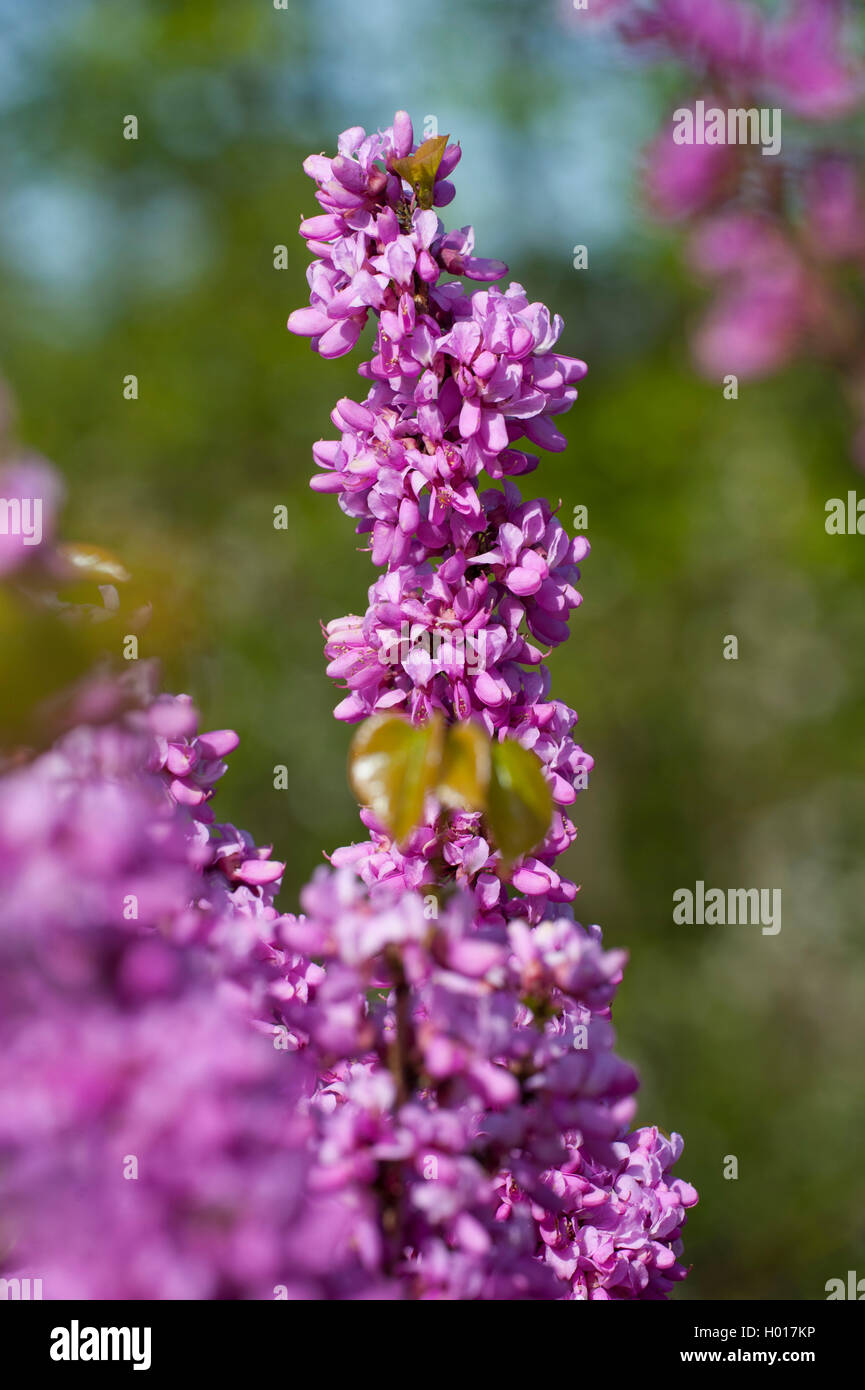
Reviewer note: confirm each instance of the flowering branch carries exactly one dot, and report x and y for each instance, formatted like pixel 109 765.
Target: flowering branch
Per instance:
pixel 503 1098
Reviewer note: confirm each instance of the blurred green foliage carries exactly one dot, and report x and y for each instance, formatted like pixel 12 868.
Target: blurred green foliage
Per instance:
pixel 156 257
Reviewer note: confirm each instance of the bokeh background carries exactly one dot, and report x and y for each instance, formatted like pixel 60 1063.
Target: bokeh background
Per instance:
pixel 706 517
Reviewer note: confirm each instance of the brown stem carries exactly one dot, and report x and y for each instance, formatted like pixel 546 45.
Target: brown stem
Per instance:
pixel 399 1052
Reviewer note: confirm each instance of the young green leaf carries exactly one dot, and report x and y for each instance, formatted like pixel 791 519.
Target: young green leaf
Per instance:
pixel 465 772
pixel 519 803
pixel 392 765
pixel 419 169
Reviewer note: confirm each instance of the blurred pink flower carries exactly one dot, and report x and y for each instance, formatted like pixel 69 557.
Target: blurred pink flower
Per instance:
pixel 682 180
pixel 30 495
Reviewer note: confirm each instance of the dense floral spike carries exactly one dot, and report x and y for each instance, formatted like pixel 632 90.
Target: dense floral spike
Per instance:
pixel 478 584
pixel 490 1054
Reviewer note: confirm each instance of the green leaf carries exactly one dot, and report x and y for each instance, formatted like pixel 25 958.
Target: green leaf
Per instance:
pixel 465 772
pixel 419 169
pixel 519 804
pixel 392 765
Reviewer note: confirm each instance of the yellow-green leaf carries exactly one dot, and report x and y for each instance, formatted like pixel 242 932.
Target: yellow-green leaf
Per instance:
pixel 392 765
pixel 465 772
pixel 420 169
pixel 519 804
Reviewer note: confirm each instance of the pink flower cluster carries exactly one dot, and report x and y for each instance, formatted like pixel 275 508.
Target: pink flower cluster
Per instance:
pixel 777 239
pixel 151 1146
pixel 479 1095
